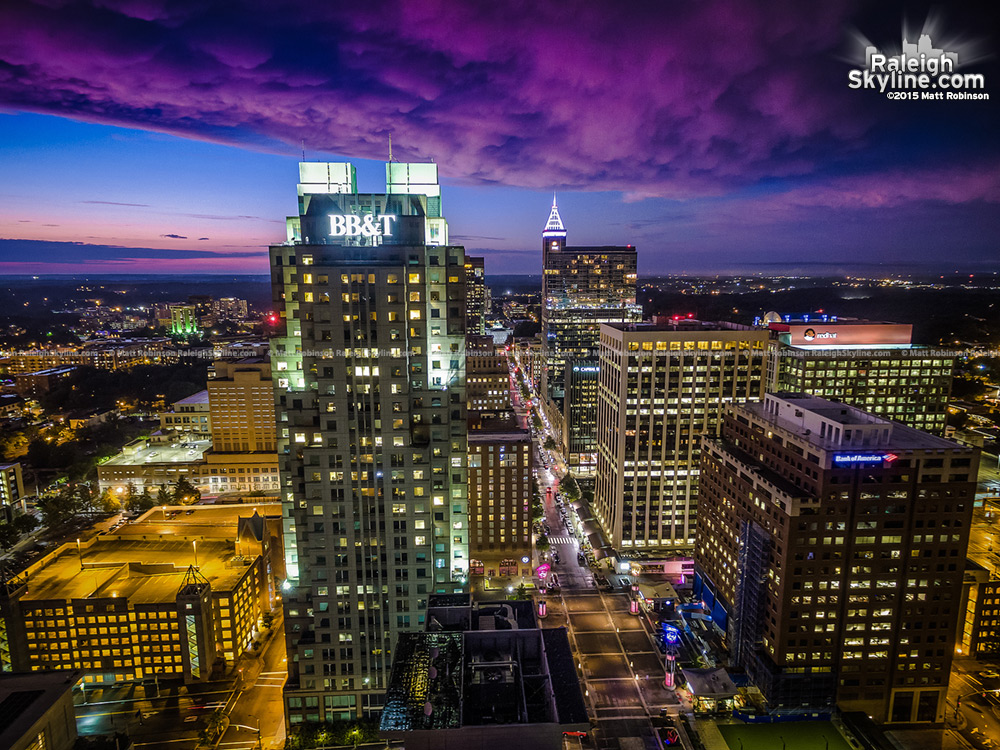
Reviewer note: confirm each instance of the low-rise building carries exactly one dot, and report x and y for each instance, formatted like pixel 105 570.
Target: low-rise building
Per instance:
pixel 189 416
pixel 40 382
pixel 483 675
pixel 179 594
pixel 150 465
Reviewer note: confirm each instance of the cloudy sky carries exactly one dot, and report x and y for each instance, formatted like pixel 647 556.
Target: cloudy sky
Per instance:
pixel 141 136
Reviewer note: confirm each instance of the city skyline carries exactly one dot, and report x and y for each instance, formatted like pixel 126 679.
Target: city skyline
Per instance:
pixel 720 138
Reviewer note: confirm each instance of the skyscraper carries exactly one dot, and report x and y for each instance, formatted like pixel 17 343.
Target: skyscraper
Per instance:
pixel 661 387
pixel 477 293
pixel 871 365
pixel 369 378
pixel 582 287
pixel 831 546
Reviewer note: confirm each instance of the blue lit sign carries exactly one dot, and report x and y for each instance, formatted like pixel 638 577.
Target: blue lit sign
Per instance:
pixel 863 459
pixel 671 635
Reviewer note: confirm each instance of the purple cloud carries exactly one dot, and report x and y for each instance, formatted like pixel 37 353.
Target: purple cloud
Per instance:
pixel 653 99
pixel 672 100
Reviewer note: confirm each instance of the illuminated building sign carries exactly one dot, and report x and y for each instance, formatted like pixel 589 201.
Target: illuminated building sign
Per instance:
pixel 352 225
pixel 834 334
pixel 671 635
pixel 863 459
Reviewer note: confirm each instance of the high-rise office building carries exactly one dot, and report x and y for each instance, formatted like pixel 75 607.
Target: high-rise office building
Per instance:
pixel 661 387
pixel 369 377
pixel 501 463
pixel 582 287
pixel 871 365
pixel 487 376
pixel 183 319
pixel 477 293
pixel 11 491
pixel 241 404
pixel 831 545
pixel 230 308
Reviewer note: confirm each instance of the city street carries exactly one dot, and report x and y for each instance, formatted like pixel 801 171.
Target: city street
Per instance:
pixel 172 718
pixel 978 719
pixel 621 669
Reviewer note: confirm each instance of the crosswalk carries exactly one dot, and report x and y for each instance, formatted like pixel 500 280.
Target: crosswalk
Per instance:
pixel 562 540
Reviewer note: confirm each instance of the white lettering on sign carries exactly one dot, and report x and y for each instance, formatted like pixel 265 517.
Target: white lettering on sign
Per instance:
pixel 352 225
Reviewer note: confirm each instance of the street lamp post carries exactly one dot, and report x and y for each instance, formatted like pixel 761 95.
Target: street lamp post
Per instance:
pixel 257 719
pixel 79 552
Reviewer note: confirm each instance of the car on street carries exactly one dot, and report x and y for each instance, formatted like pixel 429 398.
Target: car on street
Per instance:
pixel 989 674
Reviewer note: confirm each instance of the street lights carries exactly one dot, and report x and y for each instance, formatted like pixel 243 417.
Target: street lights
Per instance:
pixel 79 552
pixel 257 718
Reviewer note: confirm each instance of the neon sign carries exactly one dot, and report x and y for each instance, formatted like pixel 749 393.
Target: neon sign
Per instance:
pixel 352 225
pixel 863 459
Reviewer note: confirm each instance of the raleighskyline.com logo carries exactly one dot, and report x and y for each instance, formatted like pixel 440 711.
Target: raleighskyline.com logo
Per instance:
pixel 919 72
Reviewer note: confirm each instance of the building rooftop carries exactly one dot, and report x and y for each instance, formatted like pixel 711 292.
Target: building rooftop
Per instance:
pixel 51 371
pixel 482 664
pixel 679 324
pixel 25 698
pixel 201 397
pixel 709 683
pixel 504 426
pixel 195 521
pixel 802 415
pixel 140 453
pixel 143 571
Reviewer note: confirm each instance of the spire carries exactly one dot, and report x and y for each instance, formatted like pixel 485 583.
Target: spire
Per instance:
pixel 554 226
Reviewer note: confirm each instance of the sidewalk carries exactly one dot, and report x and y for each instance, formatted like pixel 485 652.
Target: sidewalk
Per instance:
pixel 710 735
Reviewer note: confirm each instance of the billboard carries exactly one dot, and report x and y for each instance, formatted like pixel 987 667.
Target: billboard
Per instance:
pixel 832 335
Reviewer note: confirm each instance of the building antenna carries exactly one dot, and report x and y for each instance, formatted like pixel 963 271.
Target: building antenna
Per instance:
pixel 390 146
pixel 303 149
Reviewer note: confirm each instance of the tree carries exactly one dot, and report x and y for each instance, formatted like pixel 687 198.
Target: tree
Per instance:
pixel 61 507
pixel 570 488
pixel 25 524
pixel 542 543
pixel 214 726
pixel 549 444
pixel 185 493
pixel 536 420
pixel 8 536
pixel 162 496
pixel 522 592
pixel 108 502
